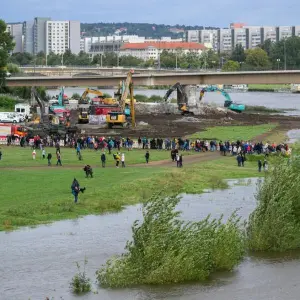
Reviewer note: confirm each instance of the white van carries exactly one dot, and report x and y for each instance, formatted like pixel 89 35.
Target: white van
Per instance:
pixel 9 118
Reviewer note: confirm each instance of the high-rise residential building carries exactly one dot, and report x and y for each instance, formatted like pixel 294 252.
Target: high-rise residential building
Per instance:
pixel 284 32
pixel 16 31
pixel 239 37
pixel 254 36
pixel 39 34
pixel 225 40
pixel 269 33
pixel 209 37
pixel 62 36
pixel 193 36
pixel 28 38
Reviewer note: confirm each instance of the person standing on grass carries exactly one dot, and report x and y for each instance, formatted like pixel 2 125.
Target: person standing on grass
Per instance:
pixel 49 157
pixel 147 156
pixel 259 166
pixel 58 156
pixel 0 154
pixel 117 159
pixel 75 187
pixel 177 160
pixel 44 153
pixel 180 161
pixel 103 159
pixel 123 160
pixel 266 165
pixel 33 154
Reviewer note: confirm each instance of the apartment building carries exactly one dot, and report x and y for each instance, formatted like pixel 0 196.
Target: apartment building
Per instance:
pixel 16 31
pixel 62 36
pixel 28 39
pixel 39 36
pixel 152 50
pixel 239 33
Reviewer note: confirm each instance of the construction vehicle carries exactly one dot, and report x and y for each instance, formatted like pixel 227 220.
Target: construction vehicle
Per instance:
pixel 126 112
pixel 83 117
pixel 228 102
pixel 102 99
pixel 59 105
pixel 50 123
pixel 182 99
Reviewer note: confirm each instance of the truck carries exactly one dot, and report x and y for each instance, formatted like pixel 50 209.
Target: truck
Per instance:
pixel 12 130
pixel 23 109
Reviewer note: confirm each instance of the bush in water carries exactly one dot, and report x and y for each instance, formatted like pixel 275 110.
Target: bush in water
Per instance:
pixel 80 282
pixel 275 223
pixel 165 249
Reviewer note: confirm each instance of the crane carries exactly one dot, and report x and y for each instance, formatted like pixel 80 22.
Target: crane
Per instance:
pixel 121 117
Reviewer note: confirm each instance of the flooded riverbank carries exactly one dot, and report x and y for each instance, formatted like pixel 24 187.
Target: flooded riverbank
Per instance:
pixel 40 262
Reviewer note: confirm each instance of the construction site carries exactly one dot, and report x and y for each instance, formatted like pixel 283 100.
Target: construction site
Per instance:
pixel 122 115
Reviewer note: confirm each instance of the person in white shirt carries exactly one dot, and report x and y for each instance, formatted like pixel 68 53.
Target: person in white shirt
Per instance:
pixel 123 160
pixel 33 154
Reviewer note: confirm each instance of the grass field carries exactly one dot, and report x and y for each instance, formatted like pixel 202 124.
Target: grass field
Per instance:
pixel 32 193
pixel 233 133
pixel 268 87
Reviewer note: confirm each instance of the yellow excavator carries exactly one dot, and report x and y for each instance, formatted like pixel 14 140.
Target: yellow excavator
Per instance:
pixel 127 112
pixel 83 117
pixel 107 101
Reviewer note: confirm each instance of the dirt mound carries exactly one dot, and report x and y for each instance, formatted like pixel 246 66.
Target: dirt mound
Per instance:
pixel 188 119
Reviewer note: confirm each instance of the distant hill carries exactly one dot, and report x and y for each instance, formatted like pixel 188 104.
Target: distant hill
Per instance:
pixel 142 29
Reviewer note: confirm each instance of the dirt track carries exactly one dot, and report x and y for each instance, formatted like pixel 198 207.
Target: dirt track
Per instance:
pixel 161 125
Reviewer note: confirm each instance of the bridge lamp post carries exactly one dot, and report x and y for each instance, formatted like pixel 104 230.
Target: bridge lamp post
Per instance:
pixel 278 62
pixel 284 50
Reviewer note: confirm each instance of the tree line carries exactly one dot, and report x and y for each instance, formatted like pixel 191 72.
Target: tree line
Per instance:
pixel 281 55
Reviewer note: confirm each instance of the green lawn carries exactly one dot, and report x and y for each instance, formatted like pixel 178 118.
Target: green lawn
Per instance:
pixel 35 196
pixel 233 133
pixel 31 196
pixel 22 157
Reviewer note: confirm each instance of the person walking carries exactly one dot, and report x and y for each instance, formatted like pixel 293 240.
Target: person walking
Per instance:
pixel 123 160
pixel 33 154
pixel 103 159
pixel 239 160
pixel 117 159
pixel 58 156
pixel 49 157
pixel 147 156
pixel 259 166
pixel 265 165
pixel 180 161
pixel 177 160
pixel 44 153
pixel 75 188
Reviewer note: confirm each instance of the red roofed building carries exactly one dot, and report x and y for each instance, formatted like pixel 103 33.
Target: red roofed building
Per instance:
pixel 151 50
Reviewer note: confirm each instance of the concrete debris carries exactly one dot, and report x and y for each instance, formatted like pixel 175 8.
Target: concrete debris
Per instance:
pixel 141 123
pixel 188 119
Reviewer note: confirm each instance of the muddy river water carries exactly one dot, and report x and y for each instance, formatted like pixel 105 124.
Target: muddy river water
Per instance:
pixel 39 262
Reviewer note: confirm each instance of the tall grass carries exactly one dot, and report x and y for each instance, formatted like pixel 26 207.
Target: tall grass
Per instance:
pixel 275 223
pixel 165 249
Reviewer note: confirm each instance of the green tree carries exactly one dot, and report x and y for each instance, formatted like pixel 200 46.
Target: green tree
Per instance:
pixel 257 59
pixel 130 61
pixel 54 59
pixel 21 59
pixel 110 59
pixel 238 54
pixel 6 46
pixel 40 59
pixel 82 59
pixel 231 66
pixel 13 68
pixel 267 45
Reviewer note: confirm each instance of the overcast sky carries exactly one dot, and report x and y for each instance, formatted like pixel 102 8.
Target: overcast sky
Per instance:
pixel 188 12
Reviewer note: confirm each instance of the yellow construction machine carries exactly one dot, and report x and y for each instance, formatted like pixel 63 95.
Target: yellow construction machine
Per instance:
pixel 83 117
pixel 126 112
pixel 107 101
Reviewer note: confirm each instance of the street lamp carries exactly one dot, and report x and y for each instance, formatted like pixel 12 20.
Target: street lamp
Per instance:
pixel 278 62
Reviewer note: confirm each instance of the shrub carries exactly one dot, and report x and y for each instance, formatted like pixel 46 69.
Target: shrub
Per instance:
pixel 165 249
pixel 155 98
pixel 106 95
pixel 141 98
pixel 80 282
pixel 7 102
pixel 76 96
pixel 275 223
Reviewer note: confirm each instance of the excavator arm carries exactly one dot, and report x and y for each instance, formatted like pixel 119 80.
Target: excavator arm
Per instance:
pixel 181 95
pixel 90 91
pixel 213 88
pixel 35 95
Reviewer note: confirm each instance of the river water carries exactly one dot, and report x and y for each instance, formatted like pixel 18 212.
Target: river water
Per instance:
pixel 40 262
pixel 271 100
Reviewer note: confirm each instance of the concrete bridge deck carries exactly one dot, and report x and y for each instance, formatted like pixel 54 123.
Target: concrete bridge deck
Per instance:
pixel 264 77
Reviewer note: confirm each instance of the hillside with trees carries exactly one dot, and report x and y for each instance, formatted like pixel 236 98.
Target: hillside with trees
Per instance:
pixel 142 29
